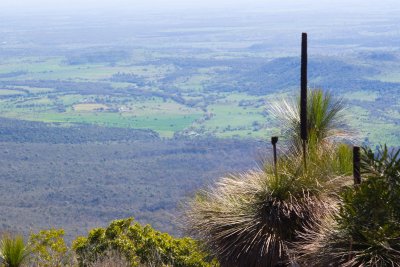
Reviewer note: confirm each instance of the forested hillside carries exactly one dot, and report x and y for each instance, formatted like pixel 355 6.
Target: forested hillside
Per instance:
pixel 54 177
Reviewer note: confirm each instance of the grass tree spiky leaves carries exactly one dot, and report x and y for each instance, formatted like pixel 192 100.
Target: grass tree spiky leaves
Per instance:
pixel 325 120
pixel 249 219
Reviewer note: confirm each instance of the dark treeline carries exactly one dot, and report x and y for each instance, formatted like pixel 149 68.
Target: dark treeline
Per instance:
pixel 83 88
pixel 12 74
pixel 38 132
pixel 255 76
pixel 128 78
pixel 96 57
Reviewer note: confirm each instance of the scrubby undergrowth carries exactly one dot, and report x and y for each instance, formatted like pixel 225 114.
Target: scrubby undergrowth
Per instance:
pixel 365 229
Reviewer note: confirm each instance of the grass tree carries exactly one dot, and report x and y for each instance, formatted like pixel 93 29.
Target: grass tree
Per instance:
pixel 13 251
pixel 253 218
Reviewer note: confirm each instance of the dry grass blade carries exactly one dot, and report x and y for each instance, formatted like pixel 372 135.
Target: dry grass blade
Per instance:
pixel 245 223
pixel 111 260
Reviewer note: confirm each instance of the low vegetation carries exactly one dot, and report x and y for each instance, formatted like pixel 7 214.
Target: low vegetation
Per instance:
pixel 13 251
pixel 123 243
pixel 138 245
pixel 48 249
pixel 306 214
pixel 365 228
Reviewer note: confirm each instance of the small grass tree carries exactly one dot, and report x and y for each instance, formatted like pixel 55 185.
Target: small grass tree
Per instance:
pixel 13 251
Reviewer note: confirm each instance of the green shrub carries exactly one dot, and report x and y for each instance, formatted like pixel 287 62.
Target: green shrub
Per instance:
pixel 139 245
pixel 49 249
pixel 365 231
pixel 370 212
pixel 13 251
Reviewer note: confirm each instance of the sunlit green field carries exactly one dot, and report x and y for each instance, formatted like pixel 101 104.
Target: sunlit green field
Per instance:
pixel 222 114
pixel 164 116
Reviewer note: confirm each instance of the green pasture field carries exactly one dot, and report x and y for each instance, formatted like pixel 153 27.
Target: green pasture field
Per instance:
pixel 192 84
pixel 37 101
pixel 218 113
pixel 89 107
pixel 8 92
pixel 165 125
pixel 390 72
pixel 227 118
pixel 393 77
pixel 232 115
pixel 53 68
pixel 375 131
pixel 164 118
pixel 367 96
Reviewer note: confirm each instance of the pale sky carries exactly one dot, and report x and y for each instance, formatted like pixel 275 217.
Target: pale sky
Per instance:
pixel 40 5
pixel 111 3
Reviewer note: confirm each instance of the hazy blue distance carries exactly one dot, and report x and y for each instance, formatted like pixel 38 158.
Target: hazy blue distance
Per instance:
pixel 90 5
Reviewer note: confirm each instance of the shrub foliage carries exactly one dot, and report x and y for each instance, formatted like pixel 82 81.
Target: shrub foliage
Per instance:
pixel 49 249
pixel 139 245
pixel 365 231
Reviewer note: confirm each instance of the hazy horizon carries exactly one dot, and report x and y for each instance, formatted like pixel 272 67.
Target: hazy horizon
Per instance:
pixel 60 6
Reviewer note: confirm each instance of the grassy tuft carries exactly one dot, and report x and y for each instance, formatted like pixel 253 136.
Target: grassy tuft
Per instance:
pixel 13 251
pixel 325 120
